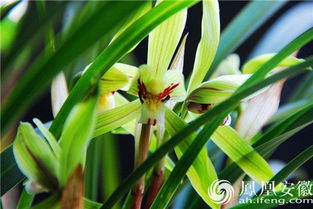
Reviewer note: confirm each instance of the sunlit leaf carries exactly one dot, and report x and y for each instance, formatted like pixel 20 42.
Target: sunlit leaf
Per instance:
pixel 242 153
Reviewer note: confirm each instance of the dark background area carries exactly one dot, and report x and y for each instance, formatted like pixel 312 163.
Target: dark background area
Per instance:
pixel 228 9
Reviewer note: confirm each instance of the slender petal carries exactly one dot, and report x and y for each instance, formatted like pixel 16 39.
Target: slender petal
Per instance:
pixel 114 118
pixel 207 47
pixel 118 77
pixel 163 41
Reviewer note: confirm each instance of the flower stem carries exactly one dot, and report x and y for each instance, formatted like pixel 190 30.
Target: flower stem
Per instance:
pixel 157 178
pixel 156 183
pixel 138 189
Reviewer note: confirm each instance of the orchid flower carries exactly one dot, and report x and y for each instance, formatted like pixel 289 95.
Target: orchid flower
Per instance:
pixel 159 85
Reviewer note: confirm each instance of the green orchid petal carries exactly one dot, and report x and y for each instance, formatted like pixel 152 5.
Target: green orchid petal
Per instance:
pixel 35 157
pixel 229 66
pixel 129 127
pixel 216 90
pixel 254 64
pixel 76 135
pixel 117 77
pixel 129 70
pixel 175 77
pixel 145 74
pixel 210 35
pixel 114 118
pixel 241 152
pixel 202 172
pixel 163 41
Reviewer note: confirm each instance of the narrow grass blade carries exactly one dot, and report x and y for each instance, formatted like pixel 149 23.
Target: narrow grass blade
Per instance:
pixel 249 20
pixel 92 170
pixel 25 200
pixel 202 172
pixel 273 138
pixel 293 165
pixel 30 27
pixel 109 166
pixel 10 173
pixel 297 43
pixel 304 90
pixel 89 204
pixel 42 71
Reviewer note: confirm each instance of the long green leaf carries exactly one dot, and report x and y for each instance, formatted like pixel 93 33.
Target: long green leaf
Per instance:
pixel 304 90
pixel 25 200
pixel 293 165
pixel 273 138
pixel 242 153
pixel 30 27
pixel 225 107
pixel 44 69
pixel 301 40
pixel 10 173
pixel 202 173
pixel 110 166
pixel 130 37
pixel 248 21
